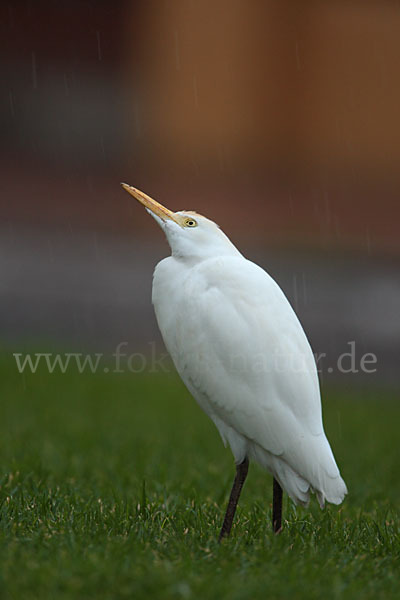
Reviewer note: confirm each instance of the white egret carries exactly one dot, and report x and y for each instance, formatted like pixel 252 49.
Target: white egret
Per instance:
pixel 241 351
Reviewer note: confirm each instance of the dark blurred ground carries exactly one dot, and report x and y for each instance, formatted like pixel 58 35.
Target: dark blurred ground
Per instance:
pixel 278 119
pixel 90 291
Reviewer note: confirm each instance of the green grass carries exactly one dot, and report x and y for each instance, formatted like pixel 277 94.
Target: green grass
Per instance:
pixel 114 486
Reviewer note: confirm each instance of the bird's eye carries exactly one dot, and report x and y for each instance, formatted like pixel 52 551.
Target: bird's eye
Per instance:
pixel 190 223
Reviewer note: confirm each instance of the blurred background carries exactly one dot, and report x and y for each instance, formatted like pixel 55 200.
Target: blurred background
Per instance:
pixel 277 119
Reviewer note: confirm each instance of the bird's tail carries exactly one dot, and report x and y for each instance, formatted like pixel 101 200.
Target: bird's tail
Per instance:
pixel 327 484
pixel 326 488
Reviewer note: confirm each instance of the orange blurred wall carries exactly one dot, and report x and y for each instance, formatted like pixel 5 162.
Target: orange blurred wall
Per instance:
pixel 304 87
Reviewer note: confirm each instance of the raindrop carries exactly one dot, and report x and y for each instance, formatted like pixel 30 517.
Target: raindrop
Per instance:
pixel 34 71
pixel 337 228
pixel 305 297
pixel 51 250
pixel 291 204
pixel 177 52
pixel 96 245
pixel 89 183
pixel 368 237
pixel 339 423
pixel 196 92
pixel 320 368
pixel 327 209
pixel 98 45
pixel 66 84
pixel 221 158
pixel 298 62
pixel 11 235
pixel 103 150
pixel 195 166
pixel 295 294
pixel 12 107
pixel 136 118
pixel 11 16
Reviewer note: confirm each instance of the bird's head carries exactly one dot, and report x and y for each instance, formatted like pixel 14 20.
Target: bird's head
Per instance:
pixel 189 234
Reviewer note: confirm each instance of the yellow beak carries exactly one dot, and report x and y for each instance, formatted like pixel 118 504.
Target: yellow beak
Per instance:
pixel 158 209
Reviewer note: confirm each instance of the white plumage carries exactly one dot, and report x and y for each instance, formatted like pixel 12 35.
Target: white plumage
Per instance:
pixel 241 351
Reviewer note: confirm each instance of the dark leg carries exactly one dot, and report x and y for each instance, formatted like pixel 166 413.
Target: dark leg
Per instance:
pixel 277 507
pixel 241 474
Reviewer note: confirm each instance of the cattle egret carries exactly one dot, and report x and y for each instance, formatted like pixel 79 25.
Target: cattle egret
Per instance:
pixel 241 351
